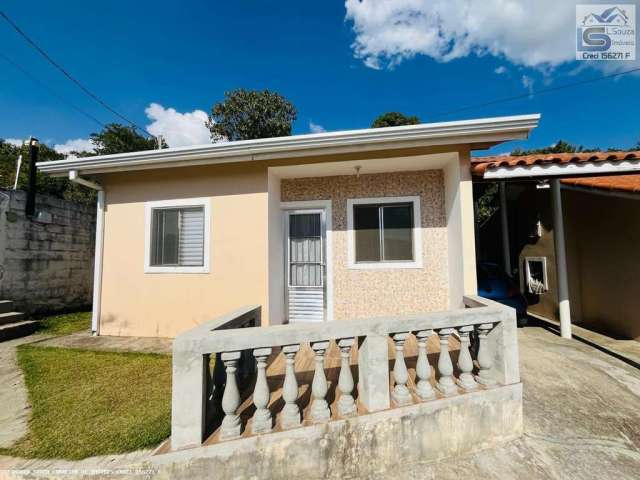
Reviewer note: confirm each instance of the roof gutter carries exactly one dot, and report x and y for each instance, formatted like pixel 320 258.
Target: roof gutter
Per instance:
pixel 99 248
pixel 481 131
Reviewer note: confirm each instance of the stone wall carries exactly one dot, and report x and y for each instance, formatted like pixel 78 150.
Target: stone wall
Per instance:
pixel 46 263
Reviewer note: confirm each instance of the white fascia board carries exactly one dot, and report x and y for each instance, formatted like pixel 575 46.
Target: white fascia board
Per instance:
pixel 459 132
pixel 591 169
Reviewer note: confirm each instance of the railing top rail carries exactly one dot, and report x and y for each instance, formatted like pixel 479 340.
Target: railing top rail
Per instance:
pixel 206 341
pixel 231 320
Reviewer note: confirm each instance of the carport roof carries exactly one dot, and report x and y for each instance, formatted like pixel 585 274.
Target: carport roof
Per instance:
pixel 614 183
pixel 555 165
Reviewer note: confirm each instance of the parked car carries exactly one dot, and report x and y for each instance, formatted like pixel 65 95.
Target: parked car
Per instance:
pixel 495 284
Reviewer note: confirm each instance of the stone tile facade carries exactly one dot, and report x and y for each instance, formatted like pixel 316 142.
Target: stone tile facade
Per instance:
pixel 46 263
pixel 366 293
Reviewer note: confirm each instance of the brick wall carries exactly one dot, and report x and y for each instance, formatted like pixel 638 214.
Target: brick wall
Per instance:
pixel 46 263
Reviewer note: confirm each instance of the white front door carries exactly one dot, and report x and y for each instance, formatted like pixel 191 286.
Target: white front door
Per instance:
pixel 306 274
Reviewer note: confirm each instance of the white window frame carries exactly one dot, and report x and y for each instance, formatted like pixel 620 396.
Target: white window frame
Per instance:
pixel 417 234
pixel 527 273
pixel 204 202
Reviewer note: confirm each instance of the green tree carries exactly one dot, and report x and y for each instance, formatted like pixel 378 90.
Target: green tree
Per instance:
pixel 559 147
pixel 56 186
pixel 249 114
pixel 116 138
pixel 394 119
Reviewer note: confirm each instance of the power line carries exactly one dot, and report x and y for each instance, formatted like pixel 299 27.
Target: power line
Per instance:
pixel 535 92
pixel 49 89
pixel 68 75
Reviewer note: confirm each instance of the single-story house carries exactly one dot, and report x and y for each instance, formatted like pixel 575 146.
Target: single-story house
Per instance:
pixel 318 227
pixel 600 234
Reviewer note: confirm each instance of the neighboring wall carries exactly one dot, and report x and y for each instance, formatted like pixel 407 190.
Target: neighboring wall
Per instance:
pixel 365 293
pixel 165 304
pixel 46 264
pixel 603 234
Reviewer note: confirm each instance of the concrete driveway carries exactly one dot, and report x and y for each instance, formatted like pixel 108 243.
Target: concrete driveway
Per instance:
pixel 581 418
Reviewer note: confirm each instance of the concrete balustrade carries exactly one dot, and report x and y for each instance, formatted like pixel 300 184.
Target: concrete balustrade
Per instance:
pixel 319 408
pixel 485 359
pixel 424 390
pixel 231 425
pixel 291 411
pixel 495 365
pixel 400 393
pixel 346 404
pixel 262 417
pixel 446 383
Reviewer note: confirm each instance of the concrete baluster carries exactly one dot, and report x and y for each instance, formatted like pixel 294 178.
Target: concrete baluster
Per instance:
pixel 400 392
pixel 319 408
pixel 423 369
pixel 446 384
pixel 485 358
pixel 231 425
pixel 290 411
pixel 346 404
pixel 465 363
pixel 262 421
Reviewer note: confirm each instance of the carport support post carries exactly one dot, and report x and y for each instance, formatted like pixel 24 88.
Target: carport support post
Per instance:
pixel 504 224
pixel 561 260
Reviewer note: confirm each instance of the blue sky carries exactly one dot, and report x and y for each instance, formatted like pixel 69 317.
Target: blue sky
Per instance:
pixel 340 64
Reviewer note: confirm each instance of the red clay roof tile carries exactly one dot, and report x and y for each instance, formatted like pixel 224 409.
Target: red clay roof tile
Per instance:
pixel 479 165
pixel 622 183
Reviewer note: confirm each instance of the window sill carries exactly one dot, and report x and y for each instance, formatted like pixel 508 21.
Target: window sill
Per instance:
pixel 148 269
pixel 385 266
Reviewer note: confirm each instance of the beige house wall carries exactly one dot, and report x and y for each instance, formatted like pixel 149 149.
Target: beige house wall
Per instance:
pixel 165 304
pixel 246 243
pixel 359 293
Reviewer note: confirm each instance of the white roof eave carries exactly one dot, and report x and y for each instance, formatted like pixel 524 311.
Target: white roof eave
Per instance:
pixel 496 129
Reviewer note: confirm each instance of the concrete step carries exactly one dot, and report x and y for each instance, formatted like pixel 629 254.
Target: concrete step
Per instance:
pixel 6 306
pixel 10 317
pixel 17 330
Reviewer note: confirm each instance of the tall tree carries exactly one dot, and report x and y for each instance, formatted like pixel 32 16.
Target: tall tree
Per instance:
pixel 59 187
pixel 394 119
pixel 559 147
pixel 116 138
pixel 249 114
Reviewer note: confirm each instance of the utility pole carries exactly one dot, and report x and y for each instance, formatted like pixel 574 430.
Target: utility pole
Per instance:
pixel 30 209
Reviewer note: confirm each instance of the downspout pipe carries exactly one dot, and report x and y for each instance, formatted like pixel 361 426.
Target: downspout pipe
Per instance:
pixel 99 248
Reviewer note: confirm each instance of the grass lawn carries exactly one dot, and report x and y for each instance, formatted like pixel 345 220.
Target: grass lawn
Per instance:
pixel 89 403
pixel 65 324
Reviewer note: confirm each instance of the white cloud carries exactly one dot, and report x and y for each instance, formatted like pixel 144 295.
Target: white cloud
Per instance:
pixel 75 145
pixel 527 82
pixel 500 70
pixel 178 129
pixel 532 33
pixel 16 142
pixel 315 128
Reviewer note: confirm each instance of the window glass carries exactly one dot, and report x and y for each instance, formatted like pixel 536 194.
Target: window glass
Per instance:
pixel 367 232
pixel 383 233
pixel 305 249
pixel 397 221
pixel 177 237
